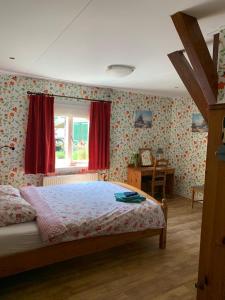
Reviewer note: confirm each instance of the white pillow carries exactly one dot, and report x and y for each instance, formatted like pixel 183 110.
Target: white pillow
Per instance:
pixel 9 190
pixel 14 210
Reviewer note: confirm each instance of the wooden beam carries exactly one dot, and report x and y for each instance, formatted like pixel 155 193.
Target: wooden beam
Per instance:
pixel 198 53
pixel 216 42
pixel 186 74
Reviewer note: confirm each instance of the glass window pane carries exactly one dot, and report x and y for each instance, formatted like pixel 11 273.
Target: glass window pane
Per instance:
pixel 60 138
pixel 80 139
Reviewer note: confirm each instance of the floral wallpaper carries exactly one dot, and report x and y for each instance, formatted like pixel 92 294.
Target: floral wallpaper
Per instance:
pixel 126 139
pixel 221 68
pixel 171 130
pixel 13 120
pixel 187 149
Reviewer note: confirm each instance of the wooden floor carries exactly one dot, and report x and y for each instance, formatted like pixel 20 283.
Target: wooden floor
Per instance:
pixel 136 271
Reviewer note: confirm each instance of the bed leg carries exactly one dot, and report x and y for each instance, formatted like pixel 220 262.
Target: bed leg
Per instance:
pixel 162 237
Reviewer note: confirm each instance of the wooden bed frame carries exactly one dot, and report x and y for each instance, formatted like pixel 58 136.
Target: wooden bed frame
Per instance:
pixel 24 261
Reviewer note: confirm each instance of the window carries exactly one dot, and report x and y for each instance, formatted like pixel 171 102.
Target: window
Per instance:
pixel 80 140
pixel 60 138
pixel 71 135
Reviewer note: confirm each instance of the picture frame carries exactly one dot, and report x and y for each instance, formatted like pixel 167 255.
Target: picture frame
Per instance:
pixel 143 119
pixel 198 123
pixel 146 157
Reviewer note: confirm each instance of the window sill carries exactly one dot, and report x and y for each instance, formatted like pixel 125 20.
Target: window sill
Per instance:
pixel 70 169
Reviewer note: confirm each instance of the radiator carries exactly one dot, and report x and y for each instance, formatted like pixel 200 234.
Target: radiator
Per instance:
pixel 62 179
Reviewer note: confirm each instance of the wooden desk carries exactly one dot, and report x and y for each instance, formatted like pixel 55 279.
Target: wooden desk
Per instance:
pixel 135 175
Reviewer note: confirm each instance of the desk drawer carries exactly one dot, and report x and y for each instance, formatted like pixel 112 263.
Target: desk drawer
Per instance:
pixel 134 178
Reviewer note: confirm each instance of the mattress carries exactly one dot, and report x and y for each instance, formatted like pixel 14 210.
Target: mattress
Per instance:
pixel 19 238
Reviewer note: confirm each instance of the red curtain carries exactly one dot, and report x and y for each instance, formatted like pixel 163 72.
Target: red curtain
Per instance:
pixel 40 140
pixel 99 135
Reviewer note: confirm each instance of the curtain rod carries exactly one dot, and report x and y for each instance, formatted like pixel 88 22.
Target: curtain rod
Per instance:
pixel 70 97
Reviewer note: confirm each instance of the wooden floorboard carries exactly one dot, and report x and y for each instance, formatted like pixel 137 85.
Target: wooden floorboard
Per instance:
pixel 136 271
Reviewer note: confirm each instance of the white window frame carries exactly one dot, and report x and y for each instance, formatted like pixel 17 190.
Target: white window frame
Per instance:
pixel 68 144
pixel 70 111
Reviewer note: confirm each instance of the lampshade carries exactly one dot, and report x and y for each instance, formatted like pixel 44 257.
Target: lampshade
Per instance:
pixel 117 71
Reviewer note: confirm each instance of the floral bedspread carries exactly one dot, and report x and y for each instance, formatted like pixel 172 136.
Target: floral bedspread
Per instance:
pixel 76 211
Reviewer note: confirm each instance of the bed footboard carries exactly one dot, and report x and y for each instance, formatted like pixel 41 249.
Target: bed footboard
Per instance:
pixel 20 262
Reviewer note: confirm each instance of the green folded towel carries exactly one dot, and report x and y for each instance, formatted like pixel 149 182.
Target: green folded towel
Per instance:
pixel 132 199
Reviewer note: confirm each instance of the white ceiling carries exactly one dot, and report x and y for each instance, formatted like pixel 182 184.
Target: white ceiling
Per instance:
pixel 75 40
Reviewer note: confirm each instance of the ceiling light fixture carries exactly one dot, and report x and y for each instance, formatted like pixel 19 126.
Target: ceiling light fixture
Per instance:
pixel 11 57
pixel 120 70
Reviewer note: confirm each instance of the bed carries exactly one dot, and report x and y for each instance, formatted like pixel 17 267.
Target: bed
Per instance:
pixel 98 222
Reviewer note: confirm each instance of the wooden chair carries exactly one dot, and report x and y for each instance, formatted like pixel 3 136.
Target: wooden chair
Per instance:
pixel 196 189
pixel 159 176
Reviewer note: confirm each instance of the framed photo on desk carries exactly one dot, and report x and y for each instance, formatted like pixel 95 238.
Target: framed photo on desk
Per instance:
pixel 146 158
